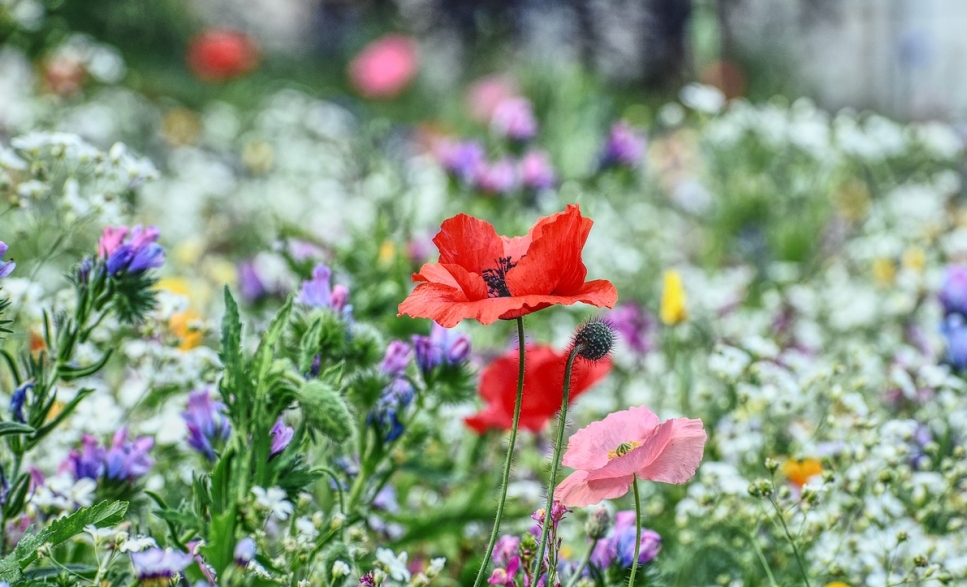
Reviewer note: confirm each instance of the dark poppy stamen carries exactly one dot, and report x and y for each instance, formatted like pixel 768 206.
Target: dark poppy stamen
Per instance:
pixel 496 279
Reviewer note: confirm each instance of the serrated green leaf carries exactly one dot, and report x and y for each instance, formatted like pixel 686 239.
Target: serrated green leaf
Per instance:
pixel 231 340
pixel 265 355
pixel 101 515
pixel 309 346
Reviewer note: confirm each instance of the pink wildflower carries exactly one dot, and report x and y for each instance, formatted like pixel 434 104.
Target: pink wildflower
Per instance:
pixel 384 67
pixel 610 453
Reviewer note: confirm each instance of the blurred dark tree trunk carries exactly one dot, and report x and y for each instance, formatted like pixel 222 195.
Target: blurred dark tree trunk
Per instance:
pixel 665 60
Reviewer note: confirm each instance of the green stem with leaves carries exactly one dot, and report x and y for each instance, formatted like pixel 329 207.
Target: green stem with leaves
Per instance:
pixel 791 539
pixel 555 461
pixel 510 455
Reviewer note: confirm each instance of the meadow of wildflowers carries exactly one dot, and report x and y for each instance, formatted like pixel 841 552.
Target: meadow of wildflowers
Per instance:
pixel 286 342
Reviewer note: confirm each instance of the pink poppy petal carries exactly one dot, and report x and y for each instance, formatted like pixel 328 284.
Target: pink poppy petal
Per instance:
pixel 576 491
pixel 682 455
pixel 588 447
pixel 639 457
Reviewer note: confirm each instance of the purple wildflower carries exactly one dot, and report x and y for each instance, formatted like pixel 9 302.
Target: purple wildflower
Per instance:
pixel 244 551
pixel 954 330
pixel 157 565
pixel 17 400
pixel 131 250
pixel 635 325
pixel 128 460
pixel 316 292
pixel 624 540
pixel 536 171
pixel 444 346
pixel 460 158
pixel 624 147
pixel 250 284
pixel 505 576
pixel 88 461
pixel 499 177
pixel 953 292
pixel 367 580
pixel 5 266
pixel 206 423
pixel 281 437
pixel 505 549
pixel 397 357
pixel 514 118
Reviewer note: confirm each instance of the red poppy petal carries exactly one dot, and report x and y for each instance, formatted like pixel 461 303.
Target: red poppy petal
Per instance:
pixel 553 263
pixel 469 242
pixel 472 284
pixel 435 273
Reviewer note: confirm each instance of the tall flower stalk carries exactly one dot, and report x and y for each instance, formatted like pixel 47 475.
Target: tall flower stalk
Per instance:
pixel 510 455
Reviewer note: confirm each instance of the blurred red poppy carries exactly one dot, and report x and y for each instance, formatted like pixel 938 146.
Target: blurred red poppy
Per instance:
pixel 217 55
pixel 385 67
pixel 485 276
pixel 543 381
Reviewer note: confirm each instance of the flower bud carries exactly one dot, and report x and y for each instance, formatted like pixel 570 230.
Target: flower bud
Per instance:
pixel 598 524
pixel 594 340
pixel 244 551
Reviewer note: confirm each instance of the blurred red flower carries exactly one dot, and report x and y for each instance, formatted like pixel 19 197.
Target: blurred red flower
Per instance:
pixel 543 382
pixel 384 67
pixel 217 55
pixel 485 276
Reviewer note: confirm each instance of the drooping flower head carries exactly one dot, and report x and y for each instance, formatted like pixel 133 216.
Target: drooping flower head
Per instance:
pixel 443 347
pixel 624 147
pixel 543 379
pixel 486 277
pixel 156 567
pixel 218 55
pixel 608 454
pixel 131 251
pixel 5 266
pixel 385 67
pixel 206 422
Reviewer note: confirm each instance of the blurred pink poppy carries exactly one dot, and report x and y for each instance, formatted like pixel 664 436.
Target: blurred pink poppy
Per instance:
pixel 610 453
pixel 385 67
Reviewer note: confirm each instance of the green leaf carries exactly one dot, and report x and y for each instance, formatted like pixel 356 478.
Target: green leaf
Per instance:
pixel 231 344
pixel 67 411
pixel 15 428
pixel 265 355
pixel 310 346
pixel 326 411
pixel 71 373
pixel 17 496
pixel 101 515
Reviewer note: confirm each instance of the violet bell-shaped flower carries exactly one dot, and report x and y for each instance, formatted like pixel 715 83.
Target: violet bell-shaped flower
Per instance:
pixel 206 422
pixel 444 346
pixel 155 566
pixel 281 437
pixel 318 292
pixel 131 250
pixel 128 460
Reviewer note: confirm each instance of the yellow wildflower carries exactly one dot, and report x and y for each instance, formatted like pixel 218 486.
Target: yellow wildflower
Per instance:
pixel 673 300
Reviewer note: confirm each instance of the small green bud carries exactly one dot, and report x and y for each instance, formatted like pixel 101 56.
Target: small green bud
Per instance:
pixel 772 465
pixel 326 411
pixel 598 524
pixel 920 560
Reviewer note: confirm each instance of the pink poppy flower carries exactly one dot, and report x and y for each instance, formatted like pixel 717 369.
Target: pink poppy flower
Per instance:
pixel 384 67
pixel 610 453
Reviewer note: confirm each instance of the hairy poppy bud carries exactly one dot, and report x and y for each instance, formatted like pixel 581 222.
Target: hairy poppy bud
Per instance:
pixel 595 339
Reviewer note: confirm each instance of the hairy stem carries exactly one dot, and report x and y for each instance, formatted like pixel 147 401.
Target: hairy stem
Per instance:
pixel 555 462
pixel 634 562
pixel 510 456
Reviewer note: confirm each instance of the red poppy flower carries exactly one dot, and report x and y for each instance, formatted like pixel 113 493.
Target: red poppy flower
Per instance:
pixel 217 55
pixel 485 276
pixel 543 381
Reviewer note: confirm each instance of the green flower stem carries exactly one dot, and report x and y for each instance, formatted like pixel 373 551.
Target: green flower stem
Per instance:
pixel 791 539
pixel 510 455
pixel 555 462
pixel 584 562
pixel 634 561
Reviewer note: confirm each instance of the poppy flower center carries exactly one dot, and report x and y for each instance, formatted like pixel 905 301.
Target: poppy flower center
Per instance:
pixel 496 279
pixel 623 449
